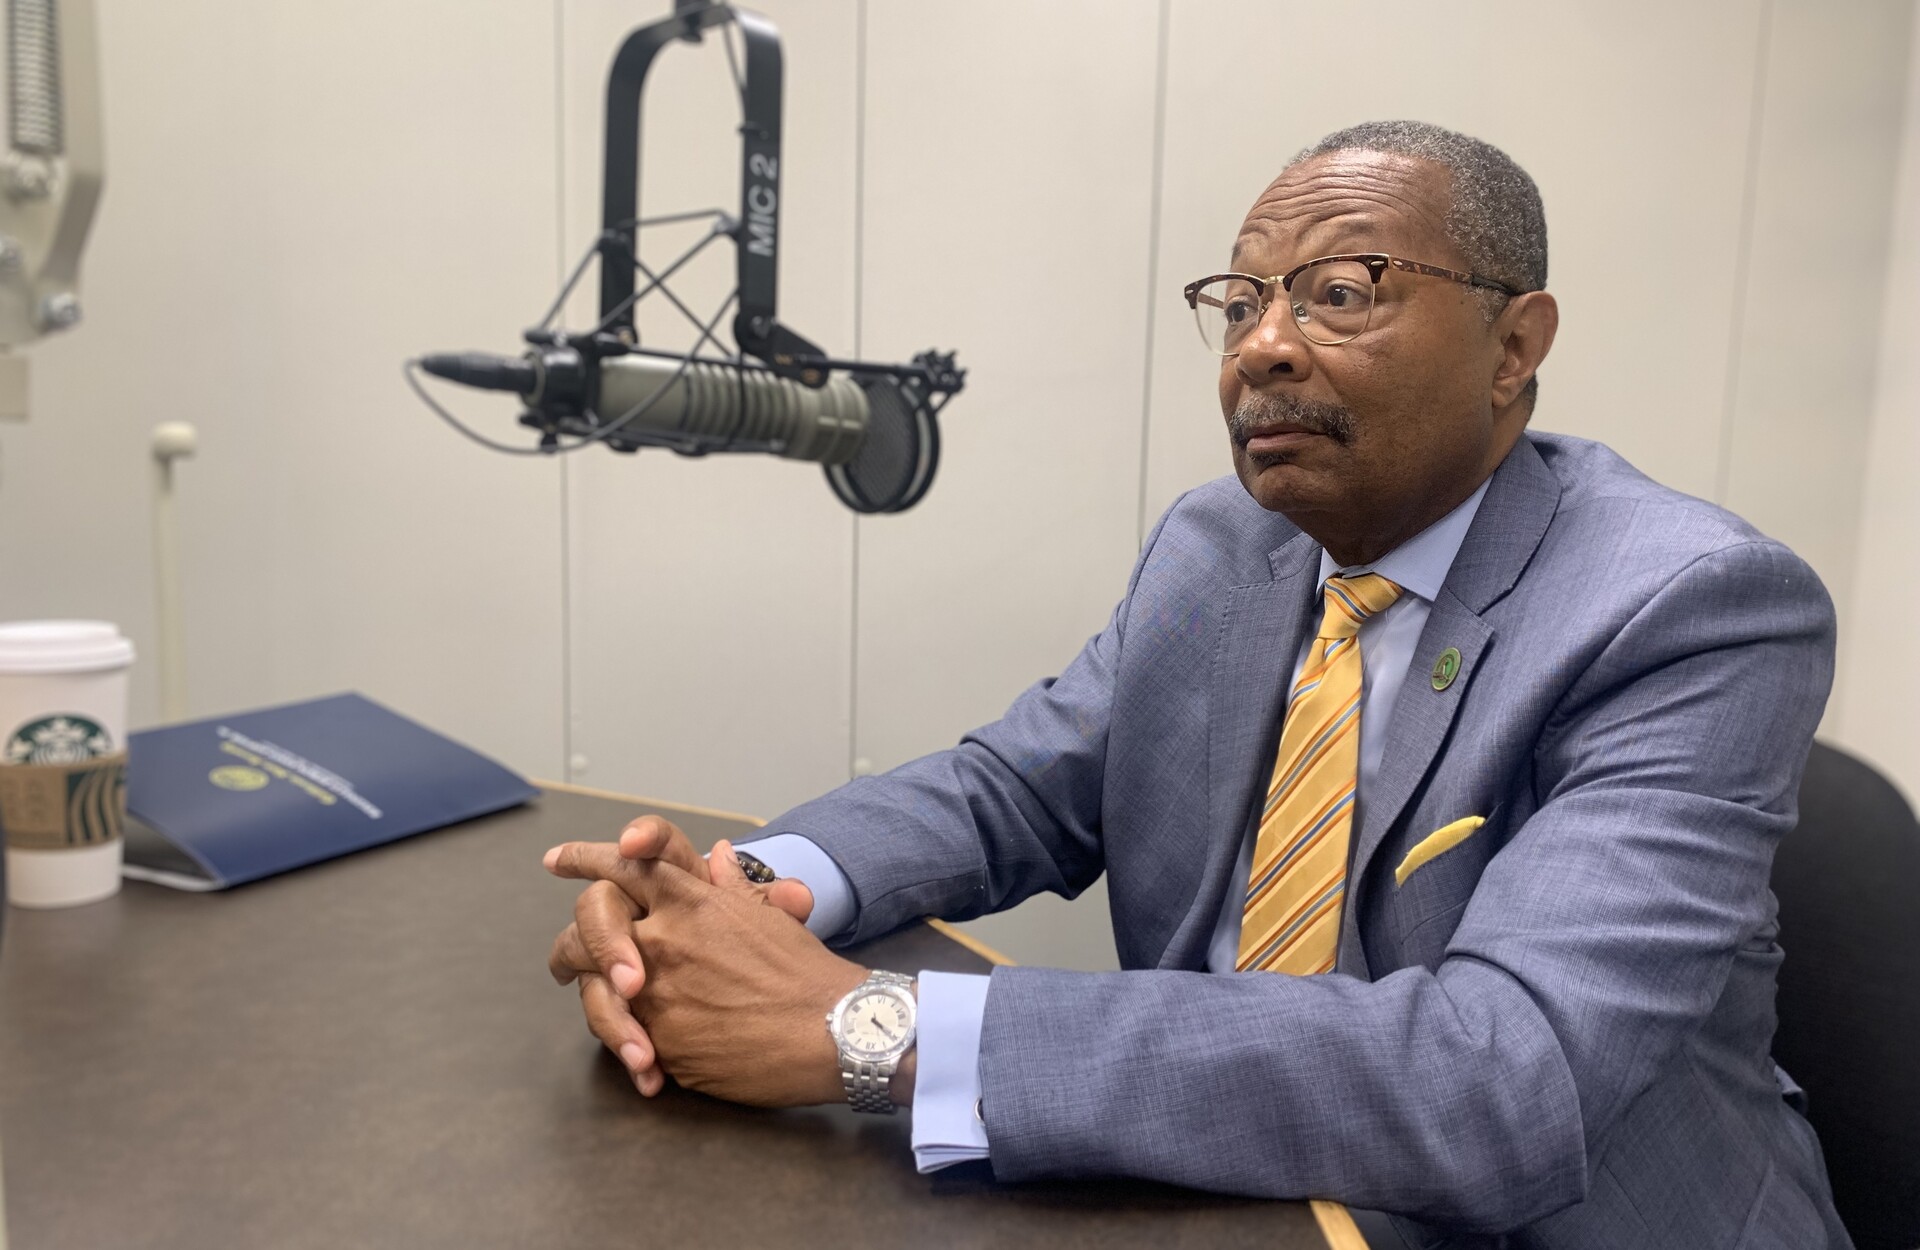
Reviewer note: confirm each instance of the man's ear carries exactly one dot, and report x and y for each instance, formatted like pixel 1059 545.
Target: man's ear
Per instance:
pixel 1524 331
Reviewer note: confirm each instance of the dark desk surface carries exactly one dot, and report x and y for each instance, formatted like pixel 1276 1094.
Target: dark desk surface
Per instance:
pixel 369 1052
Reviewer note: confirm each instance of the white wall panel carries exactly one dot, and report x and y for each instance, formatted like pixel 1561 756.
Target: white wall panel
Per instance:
pixel 299 197
pixel 1881 682
pixel 1633 118
pixel 711 599
pixel 1008 190
pixel 1808 327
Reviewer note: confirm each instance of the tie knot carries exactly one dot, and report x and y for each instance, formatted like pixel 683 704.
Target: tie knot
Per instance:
pixel 1351 600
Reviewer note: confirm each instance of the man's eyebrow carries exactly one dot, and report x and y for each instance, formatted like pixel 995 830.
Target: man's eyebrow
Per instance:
pixel 1348 238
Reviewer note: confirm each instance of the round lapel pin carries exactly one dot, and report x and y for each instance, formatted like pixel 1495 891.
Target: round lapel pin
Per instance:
pixel 1446 668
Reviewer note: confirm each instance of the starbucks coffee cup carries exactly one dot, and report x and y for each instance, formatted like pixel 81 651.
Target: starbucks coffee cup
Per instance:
pixel 63 759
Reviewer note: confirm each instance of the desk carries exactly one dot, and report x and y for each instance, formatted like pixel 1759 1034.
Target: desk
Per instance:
pixel 369 1052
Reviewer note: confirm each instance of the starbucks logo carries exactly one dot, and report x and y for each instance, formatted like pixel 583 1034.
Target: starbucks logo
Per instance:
pixel 60 739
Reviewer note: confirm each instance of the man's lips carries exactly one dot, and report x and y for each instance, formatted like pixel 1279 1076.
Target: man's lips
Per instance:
pixel 1279 438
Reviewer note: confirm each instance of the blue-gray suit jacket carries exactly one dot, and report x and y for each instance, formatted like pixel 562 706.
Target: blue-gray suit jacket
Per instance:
pixel 1555 1033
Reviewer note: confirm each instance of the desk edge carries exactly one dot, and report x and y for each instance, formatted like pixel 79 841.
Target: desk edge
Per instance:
pixel 1337 1226
pixel 567 787
pixel 971 942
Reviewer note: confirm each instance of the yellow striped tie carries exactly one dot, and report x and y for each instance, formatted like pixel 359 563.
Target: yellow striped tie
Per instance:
pixel 1291 922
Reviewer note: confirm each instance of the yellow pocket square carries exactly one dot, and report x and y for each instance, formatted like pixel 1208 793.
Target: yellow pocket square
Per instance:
pixel 1440 840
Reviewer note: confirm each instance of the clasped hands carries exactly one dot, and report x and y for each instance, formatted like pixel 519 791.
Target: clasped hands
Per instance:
pixel 688 969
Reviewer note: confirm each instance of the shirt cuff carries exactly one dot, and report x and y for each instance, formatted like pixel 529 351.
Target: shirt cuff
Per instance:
pixel 791 855
pixel 946 1083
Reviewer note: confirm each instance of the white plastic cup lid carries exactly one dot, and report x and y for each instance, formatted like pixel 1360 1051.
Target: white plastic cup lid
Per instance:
pixel 62 647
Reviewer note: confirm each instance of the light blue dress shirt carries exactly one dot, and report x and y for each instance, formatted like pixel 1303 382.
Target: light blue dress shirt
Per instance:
pixel 952 1006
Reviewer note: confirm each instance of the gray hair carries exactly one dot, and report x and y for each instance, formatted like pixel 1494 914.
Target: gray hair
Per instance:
pixel 1495 217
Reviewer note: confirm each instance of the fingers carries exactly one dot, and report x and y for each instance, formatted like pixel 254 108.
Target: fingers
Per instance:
pixel 589 861
pixel 653 863
pixel 604 916
pixel 609 1020
pixel 786 893
pixel 656 837
pixel 791 896
pixel 723 869
pixel 646 882
pixel 568 957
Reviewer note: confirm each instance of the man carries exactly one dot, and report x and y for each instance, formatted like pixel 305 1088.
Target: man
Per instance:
pixel 1436 770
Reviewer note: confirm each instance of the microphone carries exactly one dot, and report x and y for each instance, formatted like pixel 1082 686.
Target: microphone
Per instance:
pixel 700 403
pixel 874 432
pixel 872 427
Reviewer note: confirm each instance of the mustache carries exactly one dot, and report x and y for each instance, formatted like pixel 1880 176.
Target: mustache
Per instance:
pixel 1259 411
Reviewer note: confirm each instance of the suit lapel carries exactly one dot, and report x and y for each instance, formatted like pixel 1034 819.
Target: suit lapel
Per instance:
pixel 1513 517
pixel 1421 718
pixel 1260 634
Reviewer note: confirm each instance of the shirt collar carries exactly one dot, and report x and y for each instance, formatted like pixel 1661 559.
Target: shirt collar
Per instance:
pixel 1419 565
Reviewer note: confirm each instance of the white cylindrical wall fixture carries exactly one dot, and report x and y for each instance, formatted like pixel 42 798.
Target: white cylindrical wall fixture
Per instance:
pixel 172 440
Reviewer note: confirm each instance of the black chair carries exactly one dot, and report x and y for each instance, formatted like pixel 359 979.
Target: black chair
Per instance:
pixel 1848 880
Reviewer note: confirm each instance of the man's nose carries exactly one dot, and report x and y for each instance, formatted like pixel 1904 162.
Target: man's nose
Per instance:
pixel 1276 348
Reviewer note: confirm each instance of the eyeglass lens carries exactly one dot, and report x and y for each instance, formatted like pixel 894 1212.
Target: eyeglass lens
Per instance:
pixel 1331 303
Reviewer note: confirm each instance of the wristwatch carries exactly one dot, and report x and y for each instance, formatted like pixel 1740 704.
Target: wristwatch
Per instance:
pixel 874 1028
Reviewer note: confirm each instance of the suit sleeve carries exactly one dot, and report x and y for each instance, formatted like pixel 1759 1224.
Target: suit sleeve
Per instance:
pixel 1012 811
pixel 1595 941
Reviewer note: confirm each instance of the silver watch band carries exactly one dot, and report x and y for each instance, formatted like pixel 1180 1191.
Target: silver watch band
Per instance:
pixel 869 1086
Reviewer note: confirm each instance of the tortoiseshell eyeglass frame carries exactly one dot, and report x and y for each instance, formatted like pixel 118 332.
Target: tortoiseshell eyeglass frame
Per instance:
pixel 1377 264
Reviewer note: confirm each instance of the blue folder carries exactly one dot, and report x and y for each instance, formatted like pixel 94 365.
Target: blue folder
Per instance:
pixel 236 798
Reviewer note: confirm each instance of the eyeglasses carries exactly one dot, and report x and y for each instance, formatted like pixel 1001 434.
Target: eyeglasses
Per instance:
pixel 1331 298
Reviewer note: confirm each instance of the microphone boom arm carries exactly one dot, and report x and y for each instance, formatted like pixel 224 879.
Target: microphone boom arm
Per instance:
pixel 756 325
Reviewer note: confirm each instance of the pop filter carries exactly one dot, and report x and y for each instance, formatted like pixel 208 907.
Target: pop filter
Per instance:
pixel 896 460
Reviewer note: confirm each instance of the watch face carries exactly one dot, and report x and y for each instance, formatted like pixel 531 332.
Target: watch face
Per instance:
pixel 874 1023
